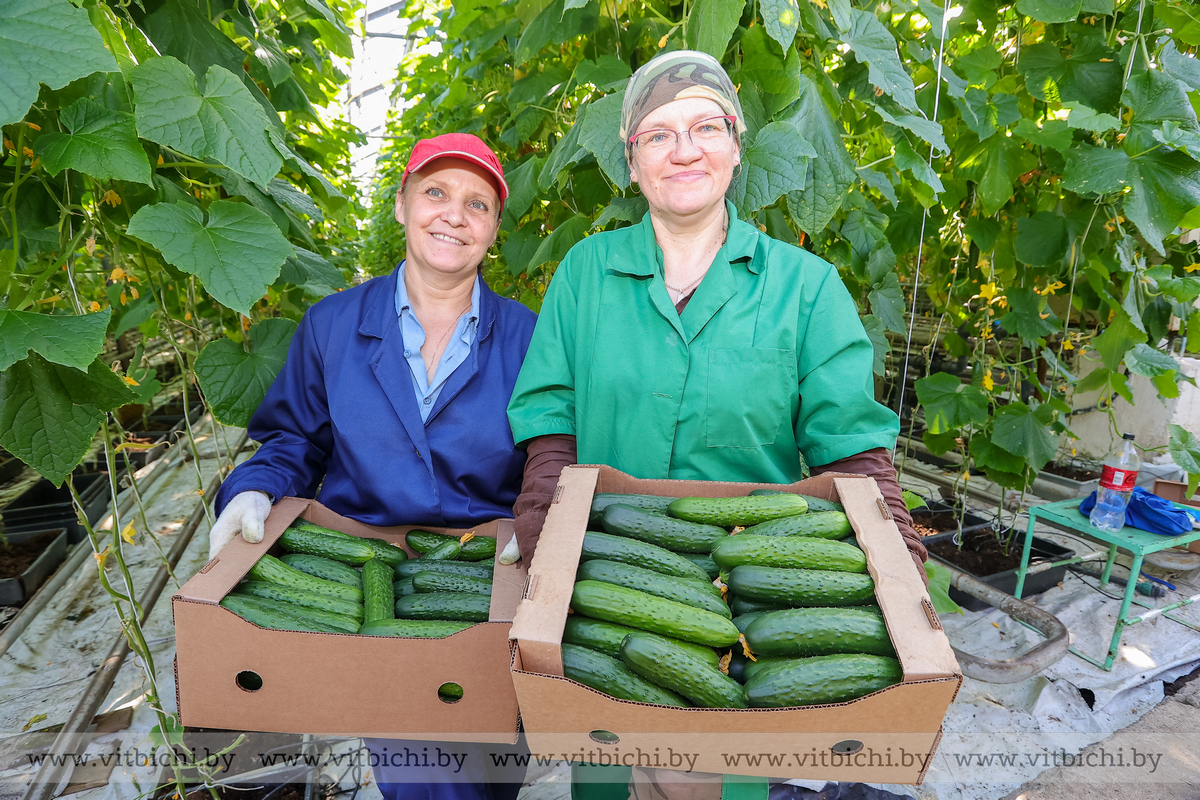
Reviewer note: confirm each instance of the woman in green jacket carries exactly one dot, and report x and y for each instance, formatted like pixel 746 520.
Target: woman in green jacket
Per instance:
pixel 692 345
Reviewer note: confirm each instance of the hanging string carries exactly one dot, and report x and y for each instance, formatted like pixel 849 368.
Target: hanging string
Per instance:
pixel 912 319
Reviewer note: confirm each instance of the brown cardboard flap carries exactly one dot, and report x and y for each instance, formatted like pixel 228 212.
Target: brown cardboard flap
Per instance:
pixel 924 651
pixel 540 618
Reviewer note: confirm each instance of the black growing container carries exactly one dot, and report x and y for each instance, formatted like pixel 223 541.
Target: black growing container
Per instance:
pixel 19 588
pixel 1006 581
pixel 43 507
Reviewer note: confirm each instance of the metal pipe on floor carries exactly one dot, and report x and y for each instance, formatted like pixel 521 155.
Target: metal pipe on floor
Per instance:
pixel 53 775
pixel 70 567
pixel 1029 663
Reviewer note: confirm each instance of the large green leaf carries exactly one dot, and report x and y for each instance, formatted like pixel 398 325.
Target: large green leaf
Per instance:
pixel 1183 68
pixel 1118 339
pixel 775 164
pixel 1149 362
pixel 605 73
pixel 600 135
pixel 554 25
pixel 236 254
pixel 711 23
pixel 1155 97
pixel 874 46
pixel 223 122
pixel 294 200
pixel 879 341
pixel 1166 186
pixel 1081 117
pixel 312 273
pixel 1095 170
pixel 1185 449
pixel 995 165
pixel 1050 10
pixel 73 341
pixel 949 403
pixel 1029 315
pixel 939 588
pixel 44 41
pixel 775 74
pixel 907 158
pixel 1054 133
pixel 50 413
pixel 987 114
pixel 831 173
pixel 887 302
pixel 101 142
pixel 1041 239
pixel 234 381
pixel 927 129
pixel 781 18
pixel 519 247
pixel 555 246
pixel 622 209
pixel 1022 431
pixel 567 153
pixel 522 189
pixel 1091 75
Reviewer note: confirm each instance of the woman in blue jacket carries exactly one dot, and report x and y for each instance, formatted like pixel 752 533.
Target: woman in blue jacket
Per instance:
pixel 391 406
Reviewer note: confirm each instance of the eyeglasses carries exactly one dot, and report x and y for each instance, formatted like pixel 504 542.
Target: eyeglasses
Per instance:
pixel 708 136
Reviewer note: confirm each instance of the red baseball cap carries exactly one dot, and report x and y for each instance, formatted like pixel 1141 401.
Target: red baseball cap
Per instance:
pixel 466 146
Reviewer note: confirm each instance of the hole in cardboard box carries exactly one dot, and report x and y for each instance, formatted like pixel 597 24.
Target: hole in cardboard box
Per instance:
pixel 604 737
pixel 249 681
pixel 450 693
pixel 847 747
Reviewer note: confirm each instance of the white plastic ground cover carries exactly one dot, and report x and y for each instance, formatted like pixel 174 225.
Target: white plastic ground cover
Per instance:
pixel 46 670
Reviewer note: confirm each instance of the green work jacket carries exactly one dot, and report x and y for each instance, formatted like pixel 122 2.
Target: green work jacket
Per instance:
pixel 767 361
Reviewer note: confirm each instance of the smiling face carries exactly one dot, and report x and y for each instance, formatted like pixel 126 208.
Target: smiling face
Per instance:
pixel 450 212
pixel 684 181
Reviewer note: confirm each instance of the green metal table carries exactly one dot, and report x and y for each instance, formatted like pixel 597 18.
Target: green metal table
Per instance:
pixel 1065 516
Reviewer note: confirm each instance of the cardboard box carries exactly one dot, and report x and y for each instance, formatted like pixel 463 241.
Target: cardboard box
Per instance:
pixel 329 683
pixel 886 737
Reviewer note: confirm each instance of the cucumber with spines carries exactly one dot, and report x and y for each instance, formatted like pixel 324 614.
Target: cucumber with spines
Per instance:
pixel 325 568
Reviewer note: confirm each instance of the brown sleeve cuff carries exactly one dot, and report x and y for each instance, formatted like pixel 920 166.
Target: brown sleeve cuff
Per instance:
pixel 547 455
pixel 877 464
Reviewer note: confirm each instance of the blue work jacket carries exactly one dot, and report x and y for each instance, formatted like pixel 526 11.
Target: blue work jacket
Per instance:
pixel 343 410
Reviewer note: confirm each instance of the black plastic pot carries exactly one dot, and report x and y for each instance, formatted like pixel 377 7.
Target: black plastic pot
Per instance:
pixel 19 588
pixel 1006 581
pixel 43 500
pixel 10 467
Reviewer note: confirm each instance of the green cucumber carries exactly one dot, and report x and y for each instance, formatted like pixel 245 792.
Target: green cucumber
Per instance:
pixel 379 598
pixel 705 563
pixel 759 663
pixel 820 632
pixel 606 637
pixel 340 623
pixel 737 666
pixel 796 552
pixel 413 628
pixel 403 587
pixel 814 503
pixel 475 569
pixel 646 612
pixel 641 554
pixel 692 593
pixel 820 524
pixel 742 621
pixel 279 618
pixel 742 606
pixel 293 596
pixel 445 606
pixel 270 568
pixel 608 675
pixel 442 582
pixel 325 568
pixel 800 588
pixel 384 550
pixel 446 551
pixel 663 662
pixel 822 679
pixel 674 534
pixel 730 511
pixel 647 502
pixel 346 549
pixel 476 549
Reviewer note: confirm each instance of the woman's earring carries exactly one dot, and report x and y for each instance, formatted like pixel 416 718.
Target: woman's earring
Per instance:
pixel 633 187
pixel 738 171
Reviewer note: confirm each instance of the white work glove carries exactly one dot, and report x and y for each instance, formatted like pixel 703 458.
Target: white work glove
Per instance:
pixel 245 514
pixel 511 554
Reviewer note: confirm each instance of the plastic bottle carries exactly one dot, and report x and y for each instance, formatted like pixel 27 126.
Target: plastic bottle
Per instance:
pixel 1116 487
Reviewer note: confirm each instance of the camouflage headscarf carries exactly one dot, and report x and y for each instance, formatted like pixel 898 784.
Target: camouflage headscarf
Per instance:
pixel 676 75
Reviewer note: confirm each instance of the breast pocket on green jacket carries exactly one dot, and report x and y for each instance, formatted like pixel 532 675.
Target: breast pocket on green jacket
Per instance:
pixel 750 393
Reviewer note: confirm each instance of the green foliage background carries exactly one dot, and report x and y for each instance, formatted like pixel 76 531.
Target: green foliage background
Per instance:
pixel 1025 166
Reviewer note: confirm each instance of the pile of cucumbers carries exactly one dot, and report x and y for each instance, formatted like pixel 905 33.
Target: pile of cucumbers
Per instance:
pixel 796 624
pixel 332 582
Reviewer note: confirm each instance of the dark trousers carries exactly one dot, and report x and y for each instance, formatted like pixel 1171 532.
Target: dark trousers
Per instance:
pixel 413 770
